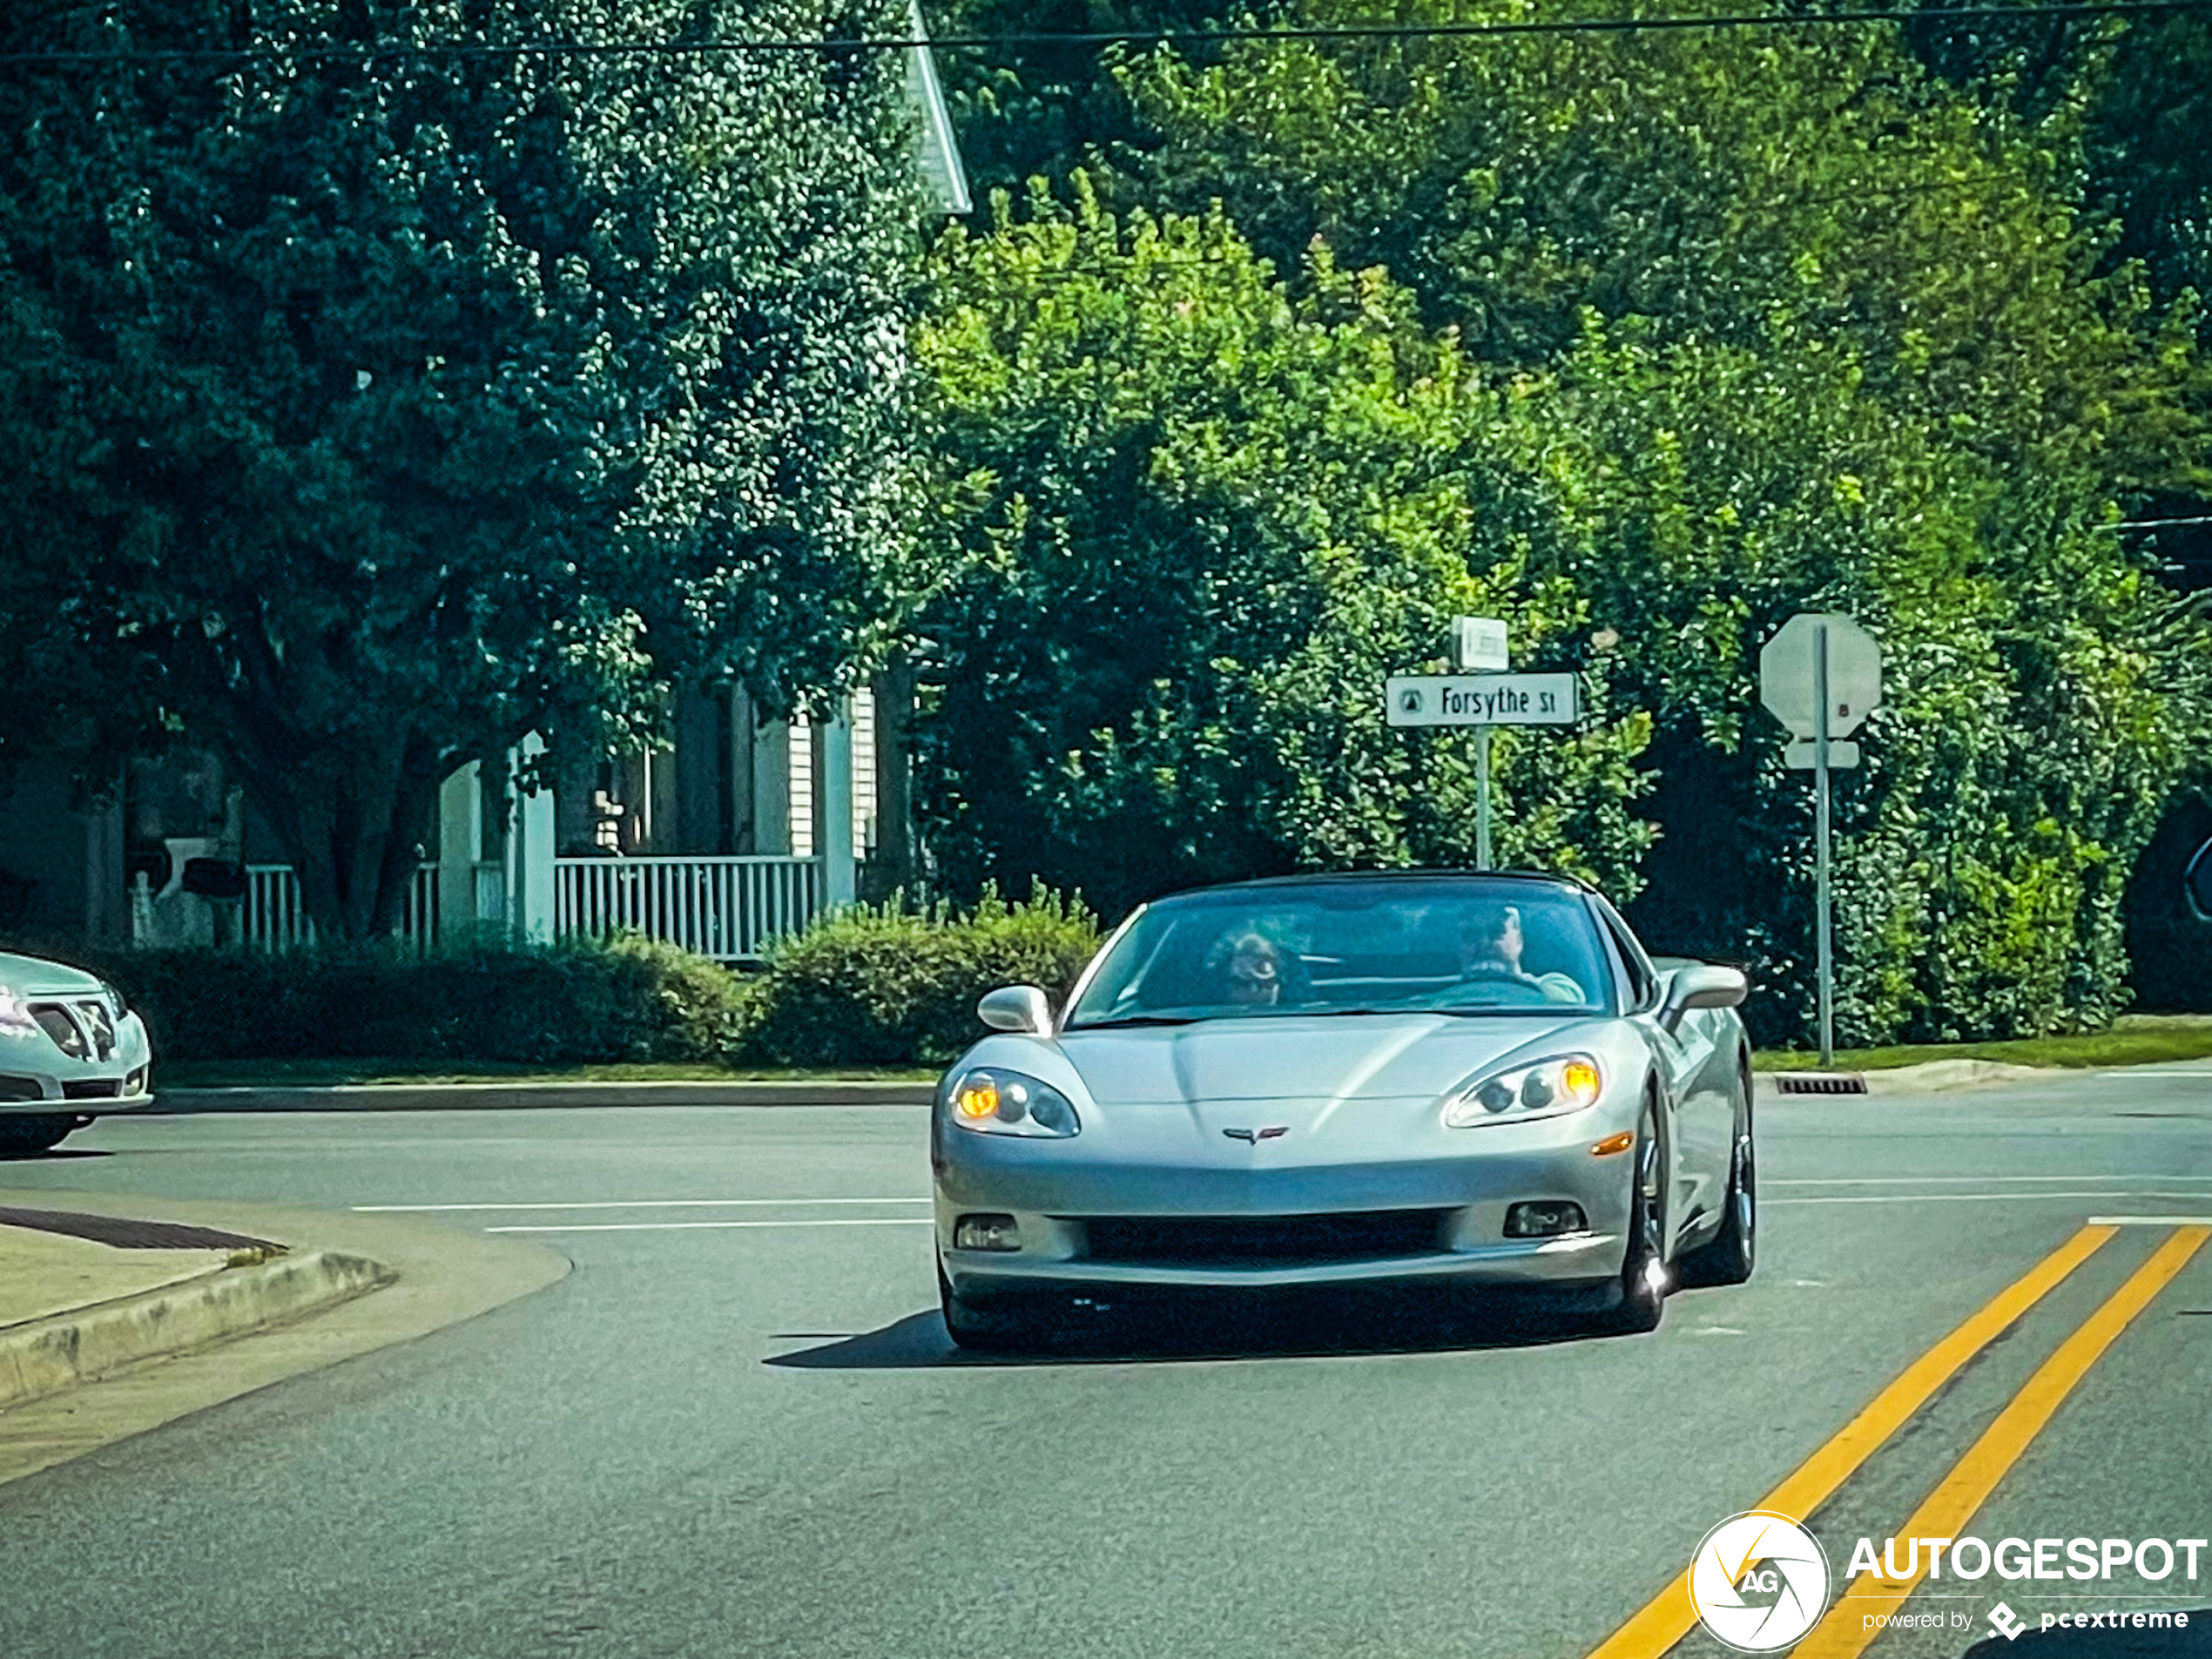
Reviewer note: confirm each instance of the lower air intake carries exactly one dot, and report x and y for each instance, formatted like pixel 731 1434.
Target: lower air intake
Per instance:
pixel 1263 1241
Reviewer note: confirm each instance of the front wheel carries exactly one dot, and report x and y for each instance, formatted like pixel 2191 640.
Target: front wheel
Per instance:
pixel 29 1134
pixel 1643 1266
pixel 1733 1253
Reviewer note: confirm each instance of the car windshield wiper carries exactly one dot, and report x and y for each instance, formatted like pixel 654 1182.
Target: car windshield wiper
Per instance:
pixel 1135 1019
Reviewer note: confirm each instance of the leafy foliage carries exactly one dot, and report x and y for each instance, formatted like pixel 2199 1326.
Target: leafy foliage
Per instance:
pixel 359 413
pixel 886 984
pixel 578 1001
pixel 1201 519
pixel 1733 325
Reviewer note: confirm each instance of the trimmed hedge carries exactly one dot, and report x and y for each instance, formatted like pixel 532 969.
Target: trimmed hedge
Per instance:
pixel 873 985
pixel 881 985
pixel 574 1002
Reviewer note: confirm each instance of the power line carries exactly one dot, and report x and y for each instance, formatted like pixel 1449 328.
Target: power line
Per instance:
pixel 1018 40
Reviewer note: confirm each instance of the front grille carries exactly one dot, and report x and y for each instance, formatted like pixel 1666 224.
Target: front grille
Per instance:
pixel 20 1089
pixel 1262 1241
pixel 93 1088
pixel 55 1021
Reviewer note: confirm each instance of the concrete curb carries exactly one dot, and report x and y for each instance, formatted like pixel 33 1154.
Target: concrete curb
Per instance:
pixel 528 1096
pixel 47 1356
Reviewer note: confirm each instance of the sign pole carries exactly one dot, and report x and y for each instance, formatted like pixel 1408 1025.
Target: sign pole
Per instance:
pixel 1826 947
pixel 1482 798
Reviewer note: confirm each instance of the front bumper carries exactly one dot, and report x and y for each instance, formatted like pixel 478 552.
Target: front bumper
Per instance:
pixel 36 1077
pixel 1466 1184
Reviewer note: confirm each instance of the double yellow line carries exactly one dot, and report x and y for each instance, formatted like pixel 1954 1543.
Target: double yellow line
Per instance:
pixel 1670 1616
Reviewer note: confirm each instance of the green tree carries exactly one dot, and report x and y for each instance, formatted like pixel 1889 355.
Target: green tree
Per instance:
pixel 368 403
pixel 1201 519
pixel 1769 320
pixel 1043 108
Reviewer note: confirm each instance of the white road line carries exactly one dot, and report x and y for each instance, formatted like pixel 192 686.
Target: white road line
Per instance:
pixel 630 1203
pixel 1953 1180
pixel 686 1226
pixel 1976 1197
pixel 2150 1221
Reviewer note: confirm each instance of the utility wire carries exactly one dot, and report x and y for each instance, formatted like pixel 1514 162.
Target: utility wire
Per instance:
pixel 1018 40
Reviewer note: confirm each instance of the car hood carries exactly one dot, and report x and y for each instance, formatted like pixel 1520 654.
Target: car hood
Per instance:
pixel 1382 1056
pixel 34 976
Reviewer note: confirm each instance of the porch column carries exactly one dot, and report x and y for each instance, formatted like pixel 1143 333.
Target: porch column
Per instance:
pixel 834 793
pixel 530 835
pixel 461 839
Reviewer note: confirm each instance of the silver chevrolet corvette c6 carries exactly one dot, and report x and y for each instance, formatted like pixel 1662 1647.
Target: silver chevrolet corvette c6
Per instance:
pixel 1351 1081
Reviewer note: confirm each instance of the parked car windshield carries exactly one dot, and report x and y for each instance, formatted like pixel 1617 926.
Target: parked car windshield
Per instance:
pixel 1481 946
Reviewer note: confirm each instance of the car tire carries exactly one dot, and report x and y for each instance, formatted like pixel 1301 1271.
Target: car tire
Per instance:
pixel 1733 1253
pixel 29 1134
pixel 982 1331
pixel 1643 1284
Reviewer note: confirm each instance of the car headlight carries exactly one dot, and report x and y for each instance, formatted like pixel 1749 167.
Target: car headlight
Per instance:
pixel 1545 1090
pixel 14 1017
pixel 118 1006
pixel 1007 1102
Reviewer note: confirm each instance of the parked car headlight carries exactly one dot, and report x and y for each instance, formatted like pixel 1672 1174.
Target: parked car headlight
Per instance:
pixel 118 1006
pixel 14 1017
pixel 1545 1090
pixel 996 1101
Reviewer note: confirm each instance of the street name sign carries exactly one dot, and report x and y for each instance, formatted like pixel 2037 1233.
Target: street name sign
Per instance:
pixel 1481 699
pixel 1788 670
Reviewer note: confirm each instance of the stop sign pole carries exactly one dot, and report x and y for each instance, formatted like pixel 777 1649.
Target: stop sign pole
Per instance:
pixel 1825 948
pixel 1819 675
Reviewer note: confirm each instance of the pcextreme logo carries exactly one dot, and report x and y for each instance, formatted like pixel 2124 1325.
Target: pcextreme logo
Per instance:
pixel 1759 1581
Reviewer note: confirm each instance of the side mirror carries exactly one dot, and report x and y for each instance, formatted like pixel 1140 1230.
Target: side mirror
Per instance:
pixel 1704 986
pixel 1017 1007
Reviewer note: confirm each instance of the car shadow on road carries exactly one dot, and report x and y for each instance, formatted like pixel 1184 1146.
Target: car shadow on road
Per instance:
pixel 2195 1642
pixel 919 1341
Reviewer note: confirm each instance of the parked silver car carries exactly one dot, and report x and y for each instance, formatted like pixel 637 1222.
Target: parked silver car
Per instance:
pixel 69 1050
pixel 1351 1080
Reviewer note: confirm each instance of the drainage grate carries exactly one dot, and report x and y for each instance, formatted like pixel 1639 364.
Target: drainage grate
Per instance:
pixel 1820 1082
pixel 124 1233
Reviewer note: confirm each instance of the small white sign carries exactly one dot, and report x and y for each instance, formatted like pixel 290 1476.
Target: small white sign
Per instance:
pixel 1481 699
pixel 1843 755
pixel 1479 644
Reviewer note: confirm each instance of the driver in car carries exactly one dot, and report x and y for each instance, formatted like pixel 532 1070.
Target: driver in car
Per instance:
pixel 1491 943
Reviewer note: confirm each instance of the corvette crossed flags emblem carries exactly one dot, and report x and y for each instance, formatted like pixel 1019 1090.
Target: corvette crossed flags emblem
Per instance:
pixel 1274 1131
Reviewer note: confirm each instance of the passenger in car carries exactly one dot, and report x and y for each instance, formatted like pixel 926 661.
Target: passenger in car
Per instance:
pixel 1253 972
pixel 1493 946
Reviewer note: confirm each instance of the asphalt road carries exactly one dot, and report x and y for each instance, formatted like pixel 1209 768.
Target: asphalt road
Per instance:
pixel 738 1427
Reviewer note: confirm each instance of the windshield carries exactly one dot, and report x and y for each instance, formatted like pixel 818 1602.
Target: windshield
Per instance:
pixel 1480 946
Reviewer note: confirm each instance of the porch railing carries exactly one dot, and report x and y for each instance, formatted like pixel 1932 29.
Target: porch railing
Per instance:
pixel 725 907
pixel 275 918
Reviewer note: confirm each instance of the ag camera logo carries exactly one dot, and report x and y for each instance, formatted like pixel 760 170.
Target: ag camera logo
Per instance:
pixel 1759 1581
